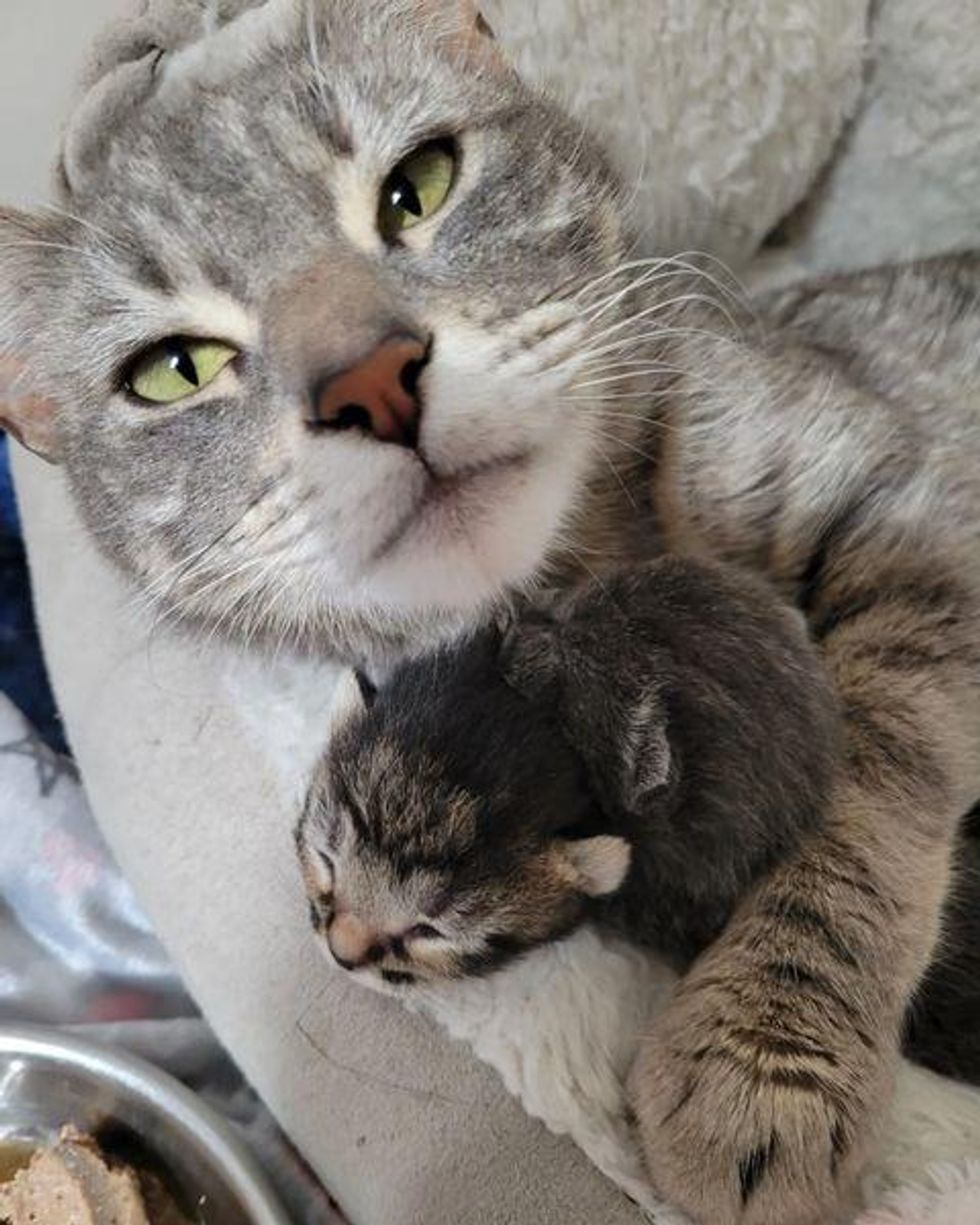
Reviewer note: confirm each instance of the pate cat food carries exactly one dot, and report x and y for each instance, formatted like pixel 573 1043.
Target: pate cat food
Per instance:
pixel 71 1183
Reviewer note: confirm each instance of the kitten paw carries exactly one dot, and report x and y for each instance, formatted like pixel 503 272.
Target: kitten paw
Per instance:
pixel 755 1115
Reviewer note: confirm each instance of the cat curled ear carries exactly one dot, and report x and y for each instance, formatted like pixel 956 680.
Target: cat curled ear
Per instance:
pixel 30 419
pixel 29 248
pixel 466 24
pixel 596 867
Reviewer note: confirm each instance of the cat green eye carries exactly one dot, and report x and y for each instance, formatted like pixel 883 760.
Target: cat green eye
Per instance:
pixel 417 188
pixel 178 368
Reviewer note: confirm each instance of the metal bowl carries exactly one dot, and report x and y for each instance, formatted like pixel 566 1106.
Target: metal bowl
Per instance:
pixel 48 1079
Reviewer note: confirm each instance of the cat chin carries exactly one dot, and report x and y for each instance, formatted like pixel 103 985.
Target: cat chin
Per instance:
pixel 483 536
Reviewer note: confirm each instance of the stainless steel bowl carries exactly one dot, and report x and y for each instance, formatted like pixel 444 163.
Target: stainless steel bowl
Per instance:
pixel 48 1079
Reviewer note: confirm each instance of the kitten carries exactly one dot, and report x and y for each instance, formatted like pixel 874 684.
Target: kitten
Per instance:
pixel 636 757
pixel 270 205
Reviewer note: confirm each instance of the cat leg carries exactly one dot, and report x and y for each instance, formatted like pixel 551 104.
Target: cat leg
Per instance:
pixel 760 1091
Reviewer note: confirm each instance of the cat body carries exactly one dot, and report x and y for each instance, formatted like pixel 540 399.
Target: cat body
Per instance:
pixel 636 758
pixel 262 201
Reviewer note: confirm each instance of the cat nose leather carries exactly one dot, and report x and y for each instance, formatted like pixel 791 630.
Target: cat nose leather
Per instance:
pixel 352 942
pixel 378 395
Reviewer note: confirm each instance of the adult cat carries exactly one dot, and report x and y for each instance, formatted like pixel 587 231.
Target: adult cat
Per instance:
pixel 339 342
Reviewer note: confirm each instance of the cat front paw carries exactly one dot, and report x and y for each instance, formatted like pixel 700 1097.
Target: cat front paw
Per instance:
pixel 756 1114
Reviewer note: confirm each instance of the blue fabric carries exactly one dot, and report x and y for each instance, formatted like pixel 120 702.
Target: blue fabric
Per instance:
pixel 9 519
pixel 23 677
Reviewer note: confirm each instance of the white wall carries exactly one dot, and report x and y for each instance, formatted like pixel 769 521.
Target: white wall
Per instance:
pixel 42 44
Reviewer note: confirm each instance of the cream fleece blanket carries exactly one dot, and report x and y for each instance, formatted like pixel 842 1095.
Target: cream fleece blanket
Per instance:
pixel 723 116
pixel 727 116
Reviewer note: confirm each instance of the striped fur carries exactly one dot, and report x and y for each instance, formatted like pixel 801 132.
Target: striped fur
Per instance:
pixel 849 475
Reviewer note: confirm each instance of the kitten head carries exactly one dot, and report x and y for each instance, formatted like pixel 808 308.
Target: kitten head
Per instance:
pixel 446 830
pixel 309 332
pixel 583 653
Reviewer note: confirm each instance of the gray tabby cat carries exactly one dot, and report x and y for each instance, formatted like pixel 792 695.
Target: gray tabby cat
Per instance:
pixel 339 341
pixel 637 756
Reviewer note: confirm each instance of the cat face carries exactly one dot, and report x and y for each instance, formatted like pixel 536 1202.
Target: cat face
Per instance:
pixel 411 878
pixel 311 334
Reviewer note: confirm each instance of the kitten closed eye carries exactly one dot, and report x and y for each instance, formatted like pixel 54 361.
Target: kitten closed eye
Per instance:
pixel 424 931
pixel 321 911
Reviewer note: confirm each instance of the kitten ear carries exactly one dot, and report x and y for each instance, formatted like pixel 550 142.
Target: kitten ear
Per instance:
pixel 599 865
pixel 29 246
pixel 646 752
pixel 530 652
pixel 353 697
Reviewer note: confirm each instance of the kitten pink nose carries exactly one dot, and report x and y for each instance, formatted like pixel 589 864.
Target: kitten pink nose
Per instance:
pixel 378 395
pixel 352 942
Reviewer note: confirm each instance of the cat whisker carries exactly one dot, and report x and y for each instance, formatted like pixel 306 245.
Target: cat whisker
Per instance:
pixel 653 263
pixel 599 367
pixel 617 476
pixel 610 301
pixel 725 280
pixel 622 442
pixel 114 241
pixel 589 282
pixel 661 332
pixel 638 419
pixel 659 308
pixel 628 200
pixel 598 379
pixel 246 614
pixel 637 384
pixel 588 360
pixel 680 265
pixel 30 244
pixel 188 568
pixel 316 61
pixel 258 569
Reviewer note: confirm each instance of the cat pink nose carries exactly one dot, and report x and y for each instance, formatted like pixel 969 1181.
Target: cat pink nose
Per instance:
pixel 379 395
pixel 352 942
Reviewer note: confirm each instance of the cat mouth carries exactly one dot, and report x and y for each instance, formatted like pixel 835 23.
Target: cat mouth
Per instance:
pixel 445 486
pixel 447 494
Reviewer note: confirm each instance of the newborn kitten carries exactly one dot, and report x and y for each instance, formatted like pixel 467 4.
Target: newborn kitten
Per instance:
pixel 635 756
